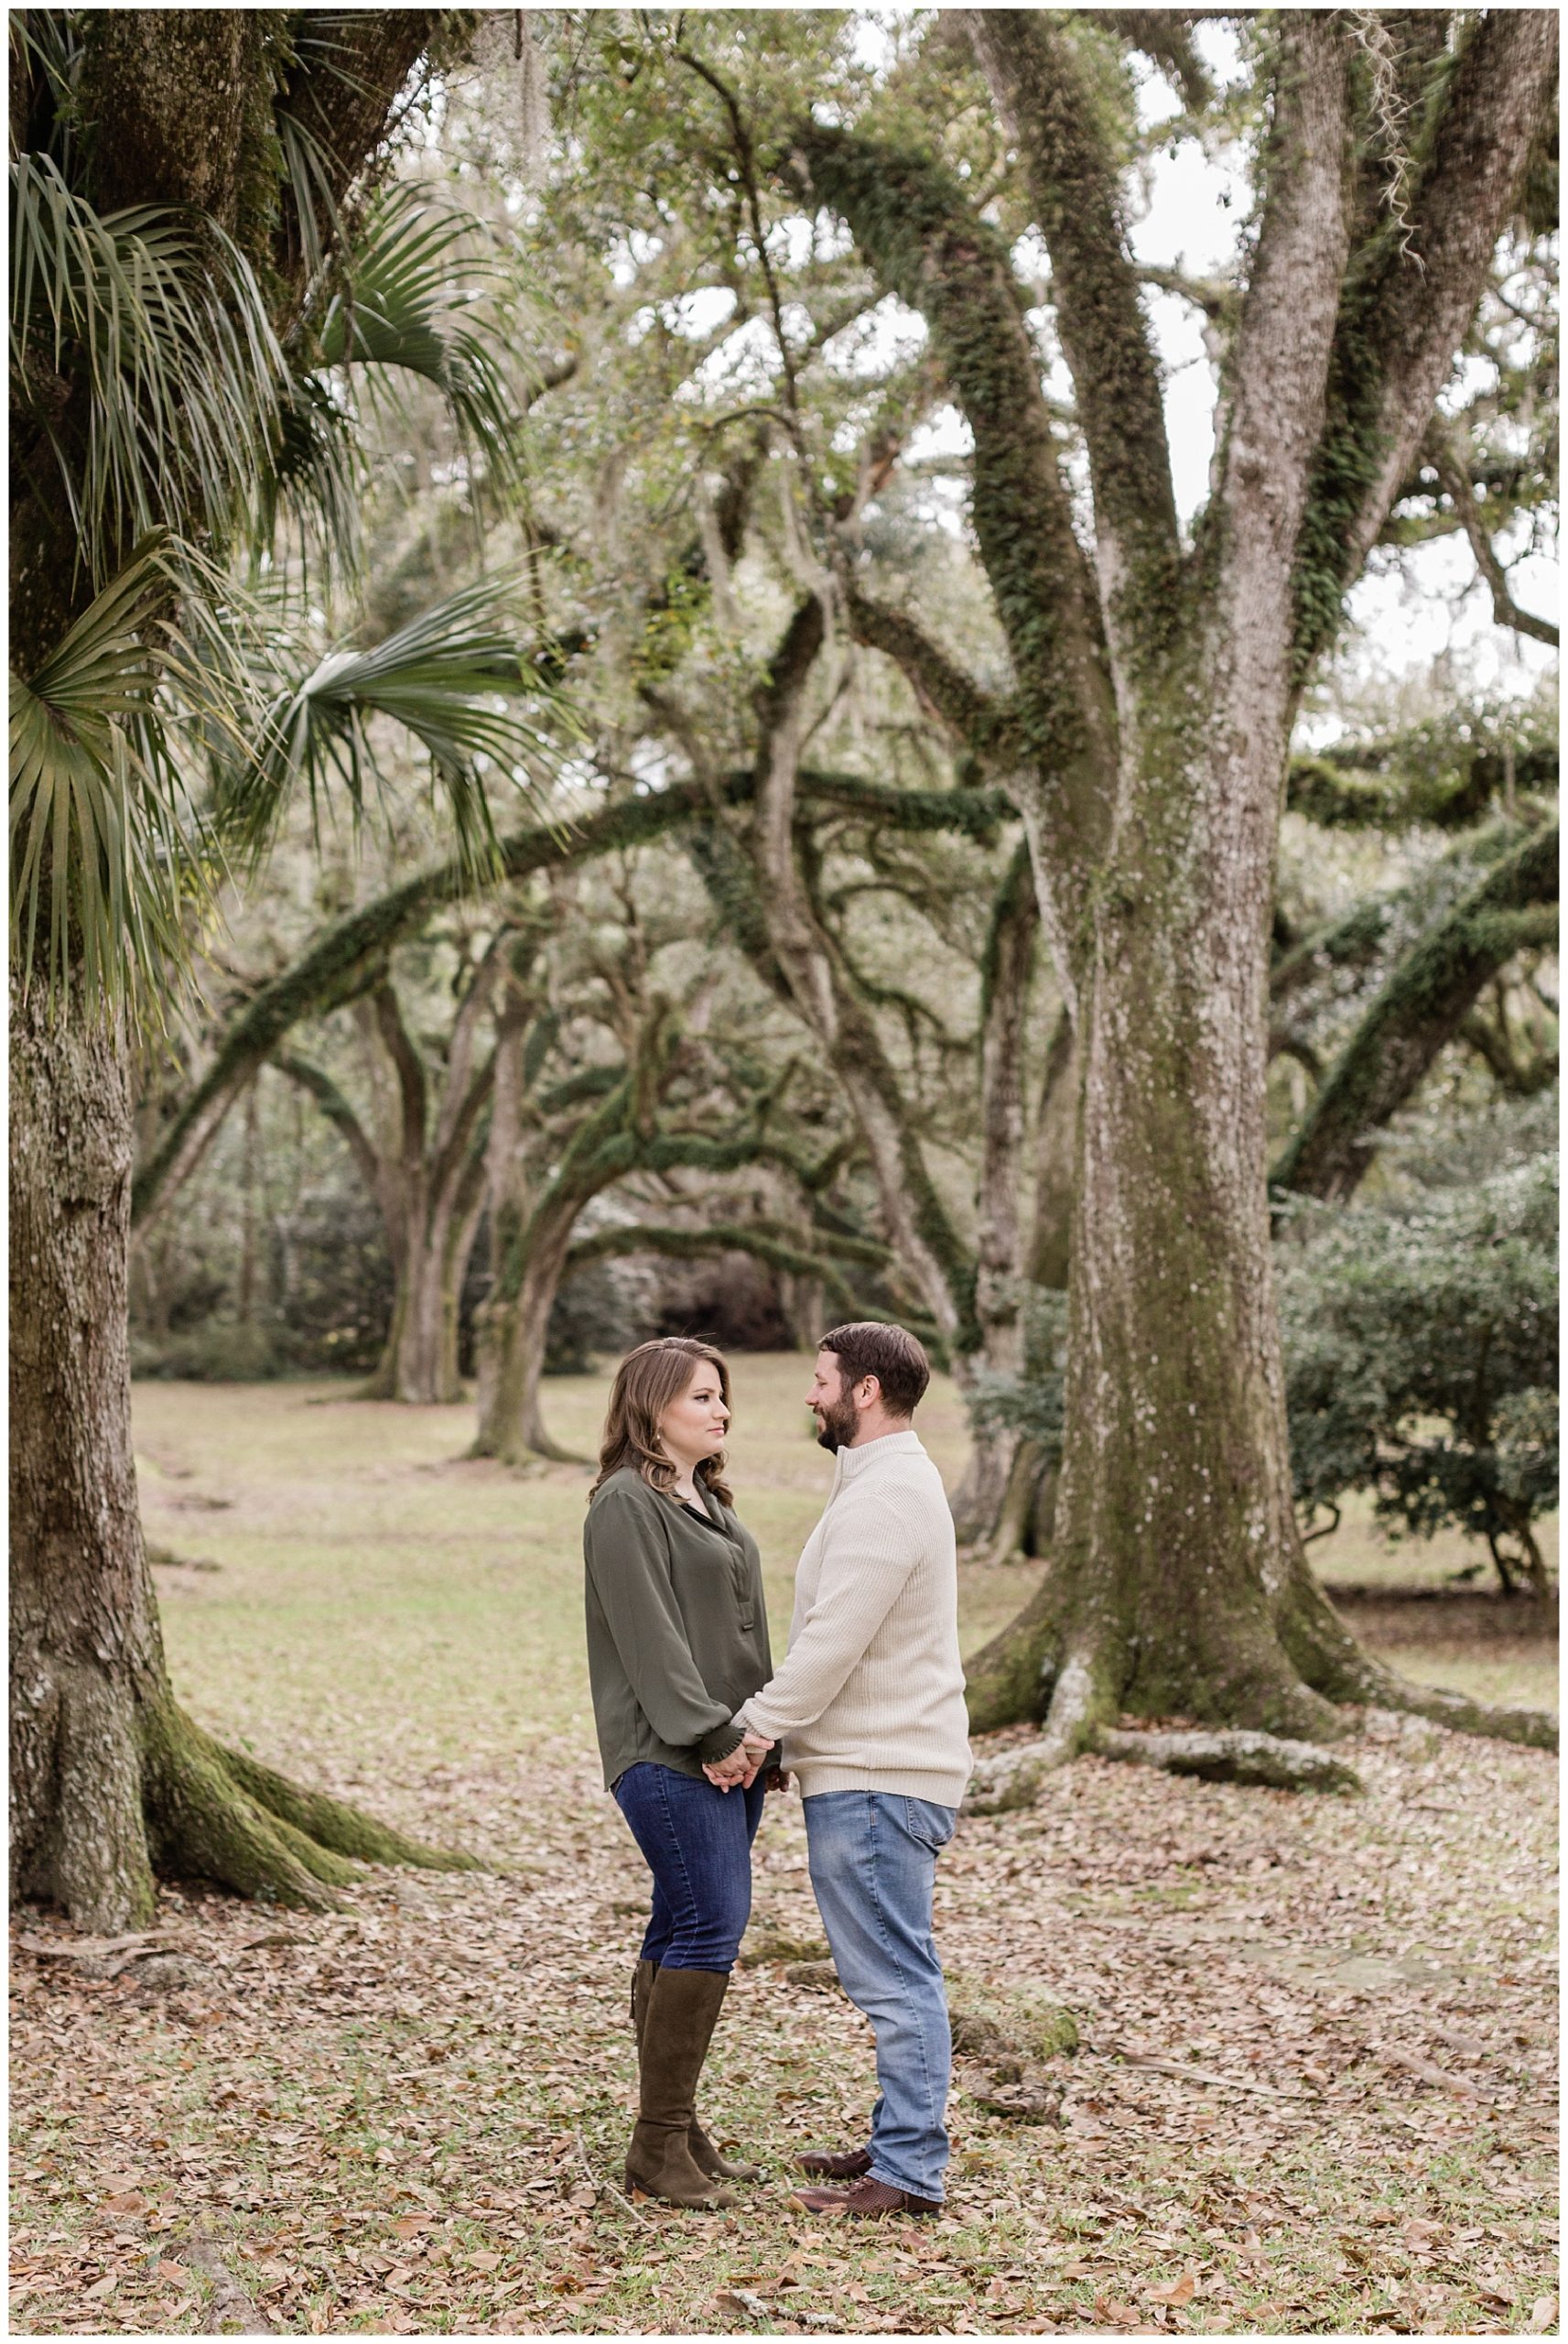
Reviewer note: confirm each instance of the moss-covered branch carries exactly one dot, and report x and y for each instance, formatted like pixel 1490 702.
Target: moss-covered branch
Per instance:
pixel 700 1244
pixel 1047 104
pixel 340 1113
pixel 916 226
pixel 984 728
pixel 1354 939
pixel 1423 1005
pixel 1410 295
pixel 348 958
pixel 1364 789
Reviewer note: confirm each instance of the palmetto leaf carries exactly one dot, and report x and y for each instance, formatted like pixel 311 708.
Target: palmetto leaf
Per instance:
pixel 447 679
pixel 159 313
pixel 411 291
pixel 100 866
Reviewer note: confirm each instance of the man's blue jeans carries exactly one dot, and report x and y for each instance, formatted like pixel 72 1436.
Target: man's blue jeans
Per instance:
pixel 697 1843
pixel 873 1866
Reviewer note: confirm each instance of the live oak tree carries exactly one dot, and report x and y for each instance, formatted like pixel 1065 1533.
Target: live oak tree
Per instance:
pixel 181 344
pixel 1156 689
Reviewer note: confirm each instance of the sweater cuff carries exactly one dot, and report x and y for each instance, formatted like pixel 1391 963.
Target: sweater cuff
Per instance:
pixel 754 1724
pixel 718 1741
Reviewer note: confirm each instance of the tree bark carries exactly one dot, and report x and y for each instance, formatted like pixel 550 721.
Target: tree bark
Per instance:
pixel 1175 1532
pixel 109 1778
pixel 512 1355
pixel 1007 973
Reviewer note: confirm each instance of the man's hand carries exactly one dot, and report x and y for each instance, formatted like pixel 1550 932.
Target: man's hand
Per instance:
pixel 738 1770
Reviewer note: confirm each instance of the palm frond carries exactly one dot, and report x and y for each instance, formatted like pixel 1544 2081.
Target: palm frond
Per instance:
pixel 452 679
pixel 416 288
pixel 159 313
pixel 102 868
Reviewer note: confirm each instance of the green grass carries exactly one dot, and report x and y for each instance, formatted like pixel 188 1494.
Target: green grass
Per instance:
pixel 361 1555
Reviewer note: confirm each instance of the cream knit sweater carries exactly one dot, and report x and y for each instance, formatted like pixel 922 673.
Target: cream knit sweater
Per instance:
pixel 871 1695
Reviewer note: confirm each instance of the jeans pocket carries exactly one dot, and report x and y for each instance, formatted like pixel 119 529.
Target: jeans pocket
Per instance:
pixel 932 1825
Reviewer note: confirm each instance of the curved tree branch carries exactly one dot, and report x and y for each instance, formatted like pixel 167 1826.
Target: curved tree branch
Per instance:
pixel 1048 110
pixel 698 1244
pixel 1423 1004
pixel 350 957
pixel 338 1112
pixel 1454 476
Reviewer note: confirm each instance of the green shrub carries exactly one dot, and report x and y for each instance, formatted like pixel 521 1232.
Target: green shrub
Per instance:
pixel 1420 1359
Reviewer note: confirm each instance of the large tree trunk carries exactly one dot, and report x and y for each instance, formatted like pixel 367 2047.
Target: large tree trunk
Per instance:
pixel 109 1777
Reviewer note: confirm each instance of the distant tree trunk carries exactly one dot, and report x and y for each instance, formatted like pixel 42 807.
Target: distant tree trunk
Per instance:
pixel 430 1186
pixel 528 1243
pixel 516 1332
pixel 801 1300
pixel 1006 974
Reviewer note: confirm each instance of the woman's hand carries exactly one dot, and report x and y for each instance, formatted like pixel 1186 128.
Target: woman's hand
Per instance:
pixel 738 1771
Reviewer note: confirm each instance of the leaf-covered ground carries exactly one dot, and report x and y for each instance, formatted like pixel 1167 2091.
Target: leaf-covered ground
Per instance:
pixel 1316 2084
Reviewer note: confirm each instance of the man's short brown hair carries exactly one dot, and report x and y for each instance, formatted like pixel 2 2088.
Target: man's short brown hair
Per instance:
pixel 890 1354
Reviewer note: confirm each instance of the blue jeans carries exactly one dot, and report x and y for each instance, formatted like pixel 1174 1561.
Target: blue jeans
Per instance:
pixel 873 1866
pixel 698 1844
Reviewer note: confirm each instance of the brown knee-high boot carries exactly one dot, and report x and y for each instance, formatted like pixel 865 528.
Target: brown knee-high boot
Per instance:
pixel 707 2158
pixel 679 2021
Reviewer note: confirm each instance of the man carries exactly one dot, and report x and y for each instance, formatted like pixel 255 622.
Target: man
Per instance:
pixel 869 1707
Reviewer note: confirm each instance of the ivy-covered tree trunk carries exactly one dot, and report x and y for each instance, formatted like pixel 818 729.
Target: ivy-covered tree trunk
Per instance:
pixel 998 1303
pixel 109 1777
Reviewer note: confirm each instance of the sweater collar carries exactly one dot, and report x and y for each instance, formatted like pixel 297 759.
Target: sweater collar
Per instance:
pixel 851 1461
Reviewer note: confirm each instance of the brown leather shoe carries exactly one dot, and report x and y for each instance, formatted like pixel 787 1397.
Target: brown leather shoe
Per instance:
pixel 845 2164
pixel 865 2196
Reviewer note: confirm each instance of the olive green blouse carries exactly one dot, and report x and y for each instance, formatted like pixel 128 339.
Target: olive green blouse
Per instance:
pixel 678 1629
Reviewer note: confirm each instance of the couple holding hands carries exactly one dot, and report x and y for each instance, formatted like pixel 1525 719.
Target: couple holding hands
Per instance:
pixel 693 1721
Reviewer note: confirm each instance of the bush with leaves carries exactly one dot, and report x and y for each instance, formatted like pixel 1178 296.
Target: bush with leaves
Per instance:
pixel 1420 1350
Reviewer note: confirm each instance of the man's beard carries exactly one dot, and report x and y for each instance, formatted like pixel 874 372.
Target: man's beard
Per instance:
pixel 836 1426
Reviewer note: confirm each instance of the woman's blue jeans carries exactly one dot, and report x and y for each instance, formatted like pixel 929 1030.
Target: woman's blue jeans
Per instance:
pixel 698 1844
pixel 873 1867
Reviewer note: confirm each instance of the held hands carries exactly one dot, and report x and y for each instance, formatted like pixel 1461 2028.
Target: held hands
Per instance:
pixel 738 1770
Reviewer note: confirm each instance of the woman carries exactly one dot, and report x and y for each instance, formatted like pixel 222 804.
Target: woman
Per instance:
pixel 677 1638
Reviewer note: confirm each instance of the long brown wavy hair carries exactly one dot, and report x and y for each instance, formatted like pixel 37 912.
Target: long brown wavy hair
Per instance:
pixel 646 1382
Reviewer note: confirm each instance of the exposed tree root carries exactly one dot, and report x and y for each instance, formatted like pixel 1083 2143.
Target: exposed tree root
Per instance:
pixel 1340 1667
pixel 1266 1759
pixel 1326 1673
pixel 1382 1689
pixel 214 1813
